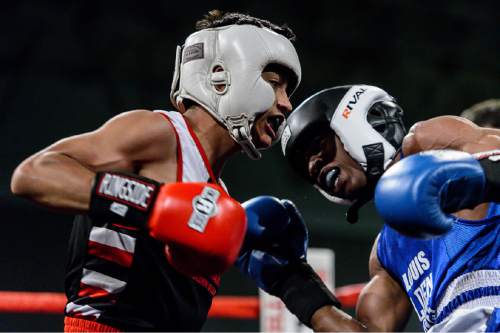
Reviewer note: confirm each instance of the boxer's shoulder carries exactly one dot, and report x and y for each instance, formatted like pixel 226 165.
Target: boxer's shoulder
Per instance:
pixel 141 132
pixel 140 121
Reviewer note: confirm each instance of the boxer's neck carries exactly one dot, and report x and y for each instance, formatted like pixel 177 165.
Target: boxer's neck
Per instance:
pixel 214 137
pixel 479 212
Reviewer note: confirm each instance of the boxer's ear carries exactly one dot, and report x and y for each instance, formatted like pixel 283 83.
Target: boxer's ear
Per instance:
pixel 218 75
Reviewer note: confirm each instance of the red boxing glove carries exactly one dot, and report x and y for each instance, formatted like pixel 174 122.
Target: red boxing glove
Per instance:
pixel 202 226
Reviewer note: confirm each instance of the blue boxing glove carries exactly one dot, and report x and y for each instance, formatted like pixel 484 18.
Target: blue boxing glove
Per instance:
pixel 274 256
pixel 276 235
pixel 415 195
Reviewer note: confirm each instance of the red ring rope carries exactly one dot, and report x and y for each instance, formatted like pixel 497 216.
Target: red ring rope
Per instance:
pixel 237 307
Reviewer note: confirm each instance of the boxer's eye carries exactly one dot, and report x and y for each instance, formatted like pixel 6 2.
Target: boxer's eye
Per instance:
pixel 318 143
pixel 323 145
pixel 312 149
pixel 329 147
pixel 274 83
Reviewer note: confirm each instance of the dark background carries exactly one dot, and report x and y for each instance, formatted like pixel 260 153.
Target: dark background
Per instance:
pixel 66 67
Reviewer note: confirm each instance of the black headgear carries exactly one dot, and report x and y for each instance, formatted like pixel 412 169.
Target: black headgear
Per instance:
pixel 365 118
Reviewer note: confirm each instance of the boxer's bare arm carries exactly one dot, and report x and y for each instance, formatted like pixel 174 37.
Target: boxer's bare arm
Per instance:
pixel 382 306
pixel 450 132
pixel 60 176
pixel 330 319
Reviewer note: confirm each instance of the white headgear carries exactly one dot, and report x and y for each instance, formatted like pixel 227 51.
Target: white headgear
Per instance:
pixel 242 52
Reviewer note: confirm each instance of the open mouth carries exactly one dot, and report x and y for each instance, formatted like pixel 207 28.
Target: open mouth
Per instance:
pixel 273 124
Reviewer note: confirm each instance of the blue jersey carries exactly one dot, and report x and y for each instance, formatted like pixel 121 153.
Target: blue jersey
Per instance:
pixel 458 269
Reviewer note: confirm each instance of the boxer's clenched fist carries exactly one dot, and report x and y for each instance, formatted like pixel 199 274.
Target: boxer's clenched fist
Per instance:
pixel 197 220
pixel 415 195
pixel 274 256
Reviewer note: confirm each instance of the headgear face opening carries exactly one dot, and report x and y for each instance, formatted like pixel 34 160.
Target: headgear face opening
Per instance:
pixel 366 119
pixel 239 53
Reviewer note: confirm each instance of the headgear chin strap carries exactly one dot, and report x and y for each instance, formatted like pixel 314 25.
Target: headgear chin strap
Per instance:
pixel 232 57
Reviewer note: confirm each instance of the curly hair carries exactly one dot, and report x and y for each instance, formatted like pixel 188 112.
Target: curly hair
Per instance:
pixel 217 18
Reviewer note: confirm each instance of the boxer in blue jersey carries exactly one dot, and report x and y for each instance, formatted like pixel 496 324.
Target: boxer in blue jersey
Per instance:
pixel 437 189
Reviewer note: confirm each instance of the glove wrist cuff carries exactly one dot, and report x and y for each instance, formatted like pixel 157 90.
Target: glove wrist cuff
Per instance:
pixel 490 162
pixel 122 198
pixel 303 292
